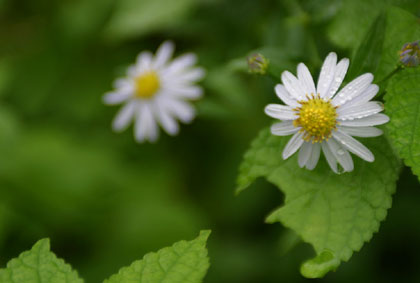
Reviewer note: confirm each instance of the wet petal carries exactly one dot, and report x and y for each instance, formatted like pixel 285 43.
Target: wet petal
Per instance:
pixel 281 112
pixel 354 146
pixel 293 145
pixel 327 74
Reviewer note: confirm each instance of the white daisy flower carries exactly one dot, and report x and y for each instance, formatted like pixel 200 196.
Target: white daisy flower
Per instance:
pixel 322 118
pixel 155 91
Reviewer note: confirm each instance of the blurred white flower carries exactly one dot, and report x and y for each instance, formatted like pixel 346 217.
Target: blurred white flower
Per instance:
pixel 156 91
pixel 320 118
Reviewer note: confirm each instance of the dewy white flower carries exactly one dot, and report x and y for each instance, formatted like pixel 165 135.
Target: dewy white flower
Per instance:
pixel 322 119
pixel 156 91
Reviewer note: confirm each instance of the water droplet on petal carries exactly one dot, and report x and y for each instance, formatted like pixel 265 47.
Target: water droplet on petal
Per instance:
pixel 340 151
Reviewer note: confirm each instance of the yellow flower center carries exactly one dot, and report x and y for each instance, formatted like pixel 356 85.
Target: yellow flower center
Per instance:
pixel 147 85
pixel 317 118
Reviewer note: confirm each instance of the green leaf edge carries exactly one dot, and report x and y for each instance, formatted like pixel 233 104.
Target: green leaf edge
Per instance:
pixel 202 238
pixel 42 245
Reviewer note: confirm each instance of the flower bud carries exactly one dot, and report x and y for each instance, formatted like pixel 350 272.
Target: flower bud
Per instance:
pixel 258 64
pixel 410 54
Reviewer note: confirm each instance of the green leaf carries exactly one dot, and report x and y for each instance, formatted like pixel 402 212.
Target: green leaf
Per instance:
pixel 368 55
pixel 355 17
pixel 402 27
pixel 134 18
pixel 183 262
pixel 353 21
pixel 402 105
pixel 39 265
pixel 332 212
pixel 320 265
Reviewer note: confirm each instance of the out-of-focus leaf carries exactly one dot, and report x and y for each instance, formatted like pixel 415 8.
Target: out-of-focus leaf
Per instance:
pixel 402 105
pixel 133 18
pixel 402 27
pixel 355 17
pixel 368 55
pixel 332 212
pixel 353 21
pixel 183 262
pixel 39 265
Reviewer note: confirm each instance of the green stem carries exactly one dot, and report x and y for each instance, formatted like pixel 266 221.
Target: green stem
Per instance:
pixel 399 68
pixel 390 75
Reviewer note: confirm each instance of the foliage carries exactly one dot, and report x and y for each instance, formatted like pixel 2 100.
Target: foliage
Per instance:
pixel 334 213
pixel 103 199
pixel 38 265
pixel 183 262
pixel 403 106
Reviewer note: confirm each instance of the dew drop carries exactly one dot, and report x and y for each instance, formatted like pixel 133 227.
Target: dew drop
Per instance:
pixel 340 152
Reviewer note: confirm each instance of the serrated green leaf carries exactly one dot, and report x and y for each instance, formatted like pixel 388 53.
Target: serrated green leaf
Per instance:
pixel 331 212
pixel 183 262
pixel 320 265
pixel 402 105
pixel 368 55
pixel 39 265
pixel 134 18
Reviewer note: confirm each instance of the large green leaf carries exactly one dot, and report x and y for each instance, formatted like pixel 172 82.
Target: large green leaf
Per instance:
pixel 183 262
pixel 336 214
pixel 39 265
pixel 353 21
pixel 368 55
pixel 402 104
pixel 402 27
pixel 355 17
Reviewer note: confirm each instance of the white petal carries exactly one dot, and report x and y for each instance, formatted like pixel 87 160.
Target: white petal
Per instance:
pixel 353 89
pixel 304 153
pixel 163 54
pixel 374 120
pixel 341 155
pixel 191 75
pixel 313 159
pixel 145 128
pixel 327 74
pixel 353 145
pixel 124 116
pixel 329 156
pixel 362 98
pixel 281 112
pixel 293 145
pixel 181 63
pixel 285 96
pixel 306 80
pixel 340 73
pixel 117 97
pixel 169 124
pixel 292 84
pixel 144 61
pixel 122 83
pixel 181 110
pixel 185 92
pixel 363 132
pixel 359 111
pixel 284 128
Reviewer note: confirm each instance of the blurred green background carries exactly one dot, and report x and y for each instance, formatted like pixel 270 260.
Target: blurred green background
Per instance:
pixel 103 199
